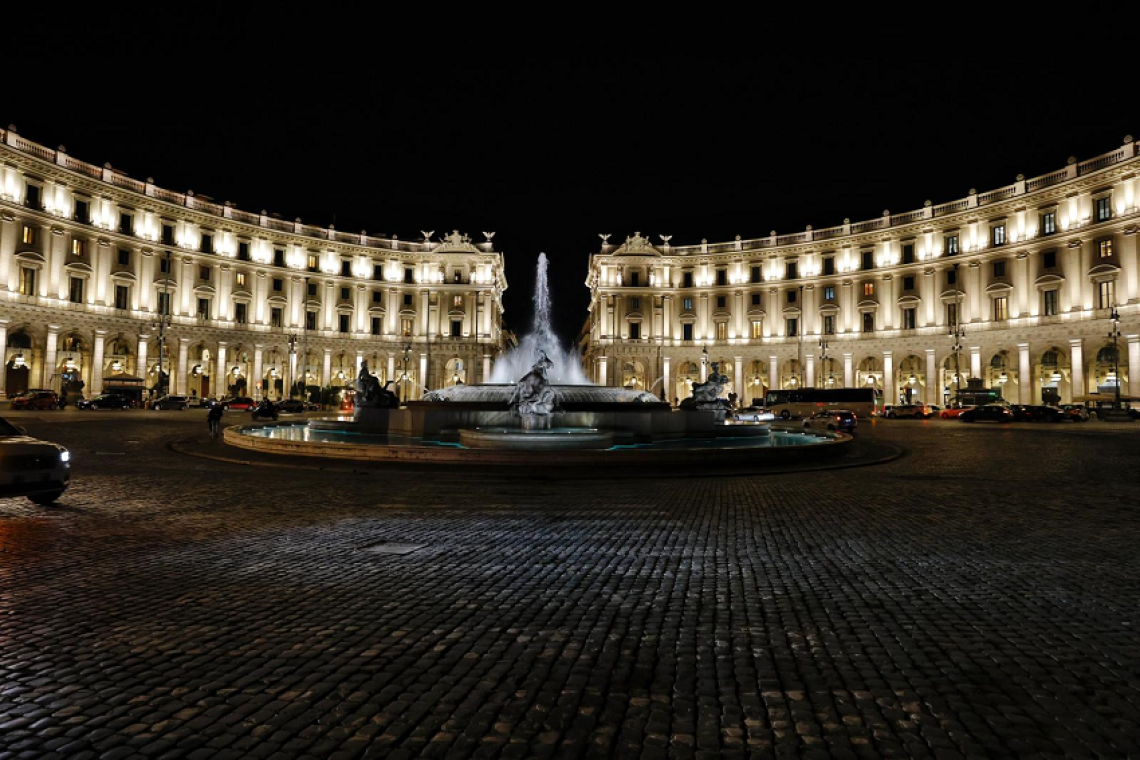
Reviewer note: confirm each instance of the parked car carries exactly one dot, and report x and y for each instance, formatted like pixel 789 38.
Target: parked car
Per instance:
pixel 265 410
pixel 29 467
pixel 833 419
pixel 754 414
pixel 237 404
pixel 179 403
pixel 106 401
pixel 1075 412
pixel 987 413
pixel 952 413
pixel 1030 413
pixel 36 400
pixel 916 411
pixel 291 406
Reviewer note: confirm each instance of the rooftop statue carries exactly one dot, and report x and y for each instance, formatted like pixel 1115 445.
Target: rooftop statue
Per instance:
pixel 534 398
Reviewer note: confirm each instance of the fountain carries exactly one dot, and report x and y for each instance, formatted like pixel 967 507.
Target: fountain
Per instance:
pixel 540 408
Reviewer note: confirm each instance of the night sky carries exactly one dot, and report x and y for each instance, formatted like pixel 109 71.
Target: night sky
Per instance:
pixel 550 145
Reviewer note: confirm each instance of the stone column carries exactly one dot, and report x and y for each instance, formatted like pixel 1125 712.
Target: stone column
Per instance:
pixel 486 368
pixel 602 370
pixel 704 368
pixel 421 381
pixel 4 354
pixel 809 370
pixel 292 379
pixel 667 386
pixel 97 363
pixel 183 355
pixel 975 361
pixel 1077 368
pixel 848 372
pixel 255 387
pixel 738 380
pixel 1134 365
pixel 1026 392
pixel 890 384
pixel 933 382
pixel 140 363
pixel 49 356
pixel 221 379
pixel 326 368
pixel 773 373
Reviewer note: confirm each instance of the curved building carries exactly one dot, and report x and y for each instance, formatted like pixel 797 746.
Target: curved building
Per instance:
pixel 1019 288
pixel 102 274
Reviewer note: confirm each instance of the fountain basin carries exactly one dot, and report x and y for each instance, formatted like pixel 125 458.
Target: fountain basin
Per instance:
pixel 549 439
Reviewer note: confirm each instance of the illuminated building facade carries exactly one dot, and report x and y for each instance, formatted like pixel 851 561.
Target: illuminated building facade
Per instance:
pixel 1016 288
pixel 91 260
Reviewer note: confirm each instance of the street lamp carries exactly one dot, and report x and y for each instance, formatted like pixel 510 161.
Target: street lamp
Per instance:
pixel 161 323
pixel 1115 335
pixel 404 374
pixel 292 380
pixel 957 333
pixel 824 359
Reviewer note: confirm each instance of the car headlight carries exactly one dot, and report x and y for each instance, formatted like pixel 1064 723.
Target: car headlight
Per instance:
pixel 65 456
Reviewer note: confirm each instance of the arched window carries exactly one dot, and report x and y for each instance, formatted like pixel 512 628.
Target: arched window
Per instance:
pixel 1050 358
pixel 19 340
pixel 1106 355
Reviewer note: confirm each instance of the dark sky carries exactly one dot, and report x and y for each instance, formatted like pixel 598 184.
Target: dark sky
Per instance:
pixel 549 146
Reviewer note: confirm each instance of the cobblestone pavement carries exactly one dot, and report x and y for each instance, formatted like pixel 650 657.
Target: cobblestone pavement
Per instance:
pixel 976 597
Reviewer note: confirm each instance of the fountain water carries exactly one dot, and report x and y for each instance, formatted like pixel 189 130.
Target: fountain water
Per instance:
pixel 565 369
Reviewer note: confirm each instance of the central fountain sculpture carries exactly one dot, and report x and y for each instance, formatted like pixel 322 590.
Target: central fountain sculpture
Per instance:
pixel 535 399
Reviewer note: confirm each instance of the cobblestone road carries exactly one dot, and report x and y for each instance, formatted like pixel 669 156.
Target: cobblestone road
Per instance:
pixel 976 598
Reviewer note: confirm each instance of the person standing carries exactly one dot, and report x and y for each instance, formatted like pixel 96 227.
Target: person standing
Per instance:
pixel 214 419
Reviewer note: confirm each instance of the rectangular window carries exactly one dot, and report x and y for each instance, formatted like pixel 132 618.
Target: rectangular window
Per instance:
pixel 168 234
pixel 1106 294
pixel 997 233
pixel 829 293
pixel 721 277
pixel 164 303
pixel 457 276
pixel 124 257
pixel 756 274
pixel 82 212
pixel 908 283
pixel 278 257
pixel 755 299
pixel 1051 303
pixel 1103 209
pixel 406 327
pixel 793 326
pixel 951 245
pixel 868 289
pixel 344 294
pixel 240 313
pixel 635 331
pixel 1049 260
pixel 951 313
pixel 790 271
pixel 75 289
pixel 868 322
pixel 687 304
pixel 407 299
pixel 829 324
pixel 343 320
pixel 345 268
pixel 311 289
pixel 791 296
pixel 409 275
pixel 868 260
pixel 276 316
pixel 757 329
pixel 32 196
pixel 124 223
pixel 29 235
pixel 1001 309
pixel 687 280
pixel 1049 223
pixel 999 269
pixel 829 265
pixel 204 274
pixel 951 276
pixel 203 308
pixel 122 297
pixel 78 247
pixel 635 279
pixel 27 281
pixel 375 325
pixel 207 244
pixel 908 253
pixel 377 296
pixel 377 271
pixel 1105 248
pixel 313 262
pixel 687 331
pixel 634 303
pixel 909 320
pixel 311 320
pixel 722 330
pixel 722 302
pixel 243 251
pixel 278 284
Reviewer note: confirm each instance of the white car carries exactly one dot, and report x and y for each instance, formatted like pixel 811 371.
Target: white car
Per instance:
pixel 754 414
pixel 29 467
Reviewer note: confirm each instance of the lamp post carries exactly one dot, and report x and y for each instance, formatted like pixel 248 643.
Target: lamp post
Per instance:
pixel 404 374
pixel 800 335
pixel 1115 335
pixel 823 357
pixel 161 323
pixel 957 333
pixel 290 379
pixel 304 334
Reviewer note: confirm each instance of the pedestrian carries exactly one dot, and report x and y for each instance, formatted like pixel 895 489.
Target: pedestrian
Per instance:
pixel 214 419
